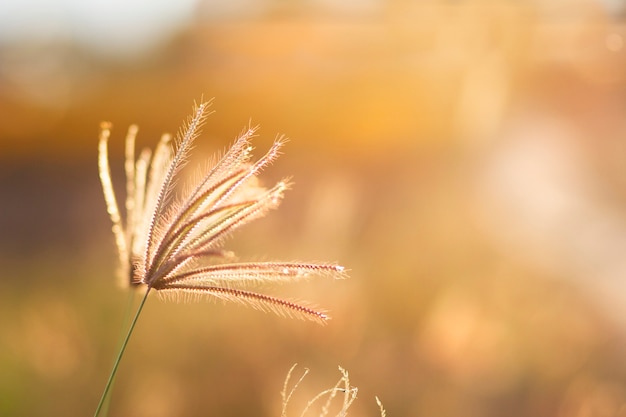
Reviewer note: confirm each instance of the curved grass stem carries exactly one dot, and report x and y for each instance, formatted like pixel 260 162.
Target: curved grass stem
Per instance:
pixel 121 353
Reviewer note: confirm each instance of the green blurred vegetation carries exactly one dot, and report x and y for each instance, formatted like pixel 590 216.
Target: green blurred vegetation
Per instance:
pixel 464 160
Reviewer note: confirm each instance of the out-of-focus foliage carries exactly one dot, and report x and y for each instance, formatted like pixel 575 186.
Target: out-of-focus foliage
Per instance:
pixel 465 160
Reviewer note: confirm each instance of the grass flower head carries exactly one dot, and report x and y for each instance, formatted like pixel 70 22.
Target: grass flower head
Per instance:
pixel 170 239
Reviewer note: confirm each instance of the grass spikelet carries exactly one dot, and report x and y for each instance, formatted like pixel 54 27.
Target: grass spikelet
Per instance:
pixel 174 244
pixel 341 389
pixel 383 413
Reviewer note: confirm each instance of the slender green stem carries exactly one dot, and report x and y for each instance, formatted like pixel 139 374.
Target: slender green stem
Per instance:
pixel 120 354
pixel 125 322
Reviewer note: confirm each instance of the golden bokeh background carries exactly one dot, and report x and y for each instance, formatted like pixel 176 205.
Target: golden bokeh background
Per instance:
pixel 465 160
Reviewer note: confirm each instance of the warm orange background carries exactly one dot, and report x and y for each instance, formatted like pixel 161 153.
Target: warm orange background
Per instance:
pixel 466 161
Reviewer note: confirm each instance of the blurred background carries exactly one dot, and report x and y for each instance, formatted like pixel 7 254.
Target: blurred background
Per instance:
pixel 465 160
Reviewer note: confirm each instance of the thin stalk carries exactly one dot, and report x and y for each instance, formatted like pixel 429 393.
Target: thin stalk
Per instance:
pixel 125 323
pixel 121 353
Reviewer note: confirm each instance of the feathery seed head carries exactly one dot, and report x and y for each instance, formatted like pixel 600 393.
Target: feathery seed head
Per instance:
pixel 172 243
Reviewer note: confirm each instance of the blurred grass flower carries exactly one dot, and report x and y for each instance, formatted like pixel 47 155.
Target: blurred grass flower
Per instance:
pixel 171 239
pixel 331 401
pixel 341 389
